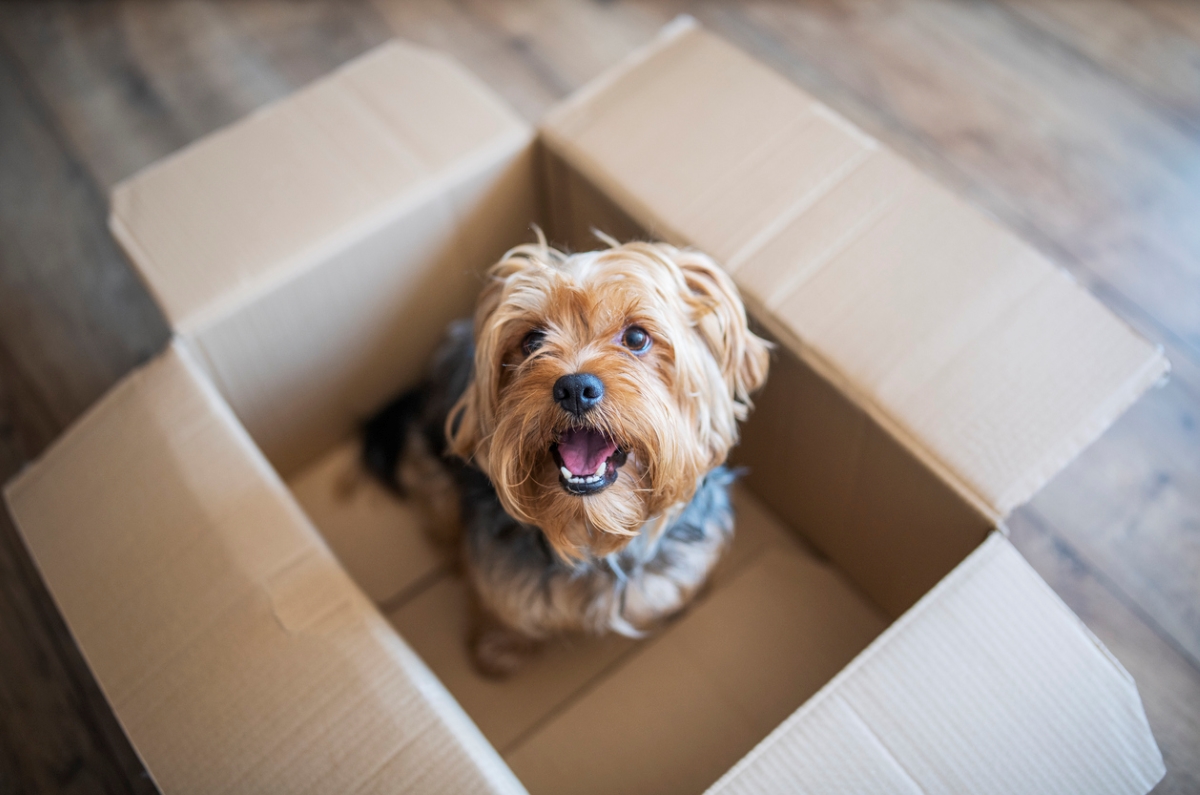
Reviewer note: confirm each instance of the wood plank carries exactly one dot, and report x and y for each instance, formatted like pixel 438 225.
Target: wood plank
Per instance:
pixel 1074 124
pixel 1073 160
pixel 73 316
pixel 1130 42
pixel 532 54
pixel 1168 682
pixel 57 732
pixel 1131 503
pixel 131 82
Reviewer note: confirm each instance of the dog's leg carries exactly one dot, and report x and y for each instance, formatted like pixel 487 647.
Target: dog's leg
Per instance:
pixel 497 650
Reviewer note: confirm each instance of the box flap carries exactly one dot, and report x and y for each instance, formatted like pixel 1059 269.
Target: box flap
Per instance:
pixel 988 685
pixel 312 253
pixel 968 346
pixel 236 653
pixel 310 171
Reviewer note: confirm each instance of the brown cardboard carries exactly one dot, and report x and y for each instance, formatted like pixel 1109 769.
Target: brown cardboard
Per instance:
pixel 932 372
pixel 227 639
pixel 377 193
pixel 696 699
pixel 929 316
pixel 924 710
pixel 377 538
pixel 435 622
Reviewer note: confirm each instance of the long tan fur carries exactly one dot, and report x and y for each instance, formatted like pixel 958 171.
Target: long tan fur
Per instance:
pixel 674 409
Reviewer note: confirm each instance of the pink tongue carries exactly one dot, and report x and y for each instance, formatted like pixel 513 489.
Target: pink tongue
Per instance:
pixel 583 450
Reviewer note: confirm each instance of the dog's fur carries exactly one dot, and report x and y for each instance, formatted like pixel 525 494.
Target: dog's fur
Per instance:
pixel 484 441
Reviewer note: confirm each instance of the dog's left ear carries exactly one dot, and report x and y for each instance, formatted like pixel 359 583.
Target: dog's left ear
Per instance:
pixel 721 321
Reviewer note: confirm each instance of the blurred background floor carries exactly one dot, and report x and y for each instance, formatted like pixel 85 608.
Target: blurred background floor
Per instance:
pixel 1075 122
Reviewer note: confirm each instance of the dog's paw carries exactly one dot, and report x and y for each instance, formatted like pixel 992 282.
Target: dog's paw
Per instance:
pixel 499 652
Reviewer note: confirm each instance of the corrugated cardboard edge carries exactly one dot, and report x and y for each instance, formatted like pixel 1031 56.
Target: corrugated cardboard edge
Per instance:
pixel 1148 760
pixel 301 594
pixel 1154 369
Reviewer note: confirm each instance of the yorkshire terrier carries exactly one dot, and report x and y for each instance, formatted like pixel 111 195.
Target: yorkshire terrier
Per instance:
pixel 573 443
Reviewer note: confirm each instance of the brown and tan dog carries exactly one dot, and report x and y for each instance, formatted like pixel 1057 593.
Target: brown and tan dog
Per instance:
pixel 575 439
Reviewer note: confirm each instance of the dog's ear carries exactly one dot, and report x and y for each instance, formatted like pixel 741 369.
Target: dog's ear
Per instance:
pixel 471 421
pixel 462 425
pixel 720 319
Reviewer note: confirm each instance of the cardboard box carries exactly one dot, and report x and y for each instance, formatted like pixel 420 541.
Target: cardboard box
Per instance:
pixel 263 619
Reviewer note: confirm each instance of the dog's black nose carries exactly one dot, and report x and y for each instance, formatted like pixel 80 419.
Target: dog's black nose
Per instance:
pixel 578 392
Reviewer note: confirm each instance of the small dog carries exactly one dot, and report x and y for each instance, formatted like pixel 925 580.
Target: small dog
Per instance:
pixel 574 441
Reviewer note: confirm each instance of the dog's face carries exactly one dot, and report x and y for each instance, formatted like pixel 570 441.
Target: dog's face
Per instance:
pixel 606 385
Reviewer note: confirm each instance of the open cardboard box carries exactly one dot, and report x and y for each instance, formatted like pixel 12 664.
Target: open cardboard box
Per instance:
pixel 251 604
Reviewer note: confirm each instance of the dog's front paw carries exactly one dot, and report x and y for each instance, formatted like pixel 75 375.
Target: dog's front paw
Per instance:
pixel 498 652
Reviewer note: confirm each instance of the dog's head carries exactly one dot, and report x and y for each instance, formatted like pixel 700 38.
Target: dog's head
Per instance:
pixel 606 385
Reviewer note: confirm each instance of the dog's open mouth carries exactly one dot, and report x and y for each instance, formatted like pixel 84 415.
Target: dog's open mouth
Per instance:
pixel 587 460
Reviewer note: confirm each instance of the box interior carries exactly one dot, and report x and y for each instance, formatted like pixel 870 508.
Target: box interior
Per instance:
pixel 804 589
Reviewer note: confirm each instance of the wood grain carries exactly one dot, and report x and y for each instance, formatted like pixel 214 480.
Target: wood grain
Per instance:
pixel 1167 680
pixel 1076 123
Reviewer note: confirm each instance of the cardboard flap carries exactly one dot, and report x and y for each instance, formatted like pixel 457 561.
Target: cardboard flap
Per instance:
pixel 312 253
pixel 968 346
pixel 308 172
pixel 204 601
pixel 988 685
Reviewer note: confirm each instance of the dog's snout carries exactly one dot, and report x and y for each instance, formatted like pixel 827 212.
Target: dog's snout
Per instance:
pixel 578 393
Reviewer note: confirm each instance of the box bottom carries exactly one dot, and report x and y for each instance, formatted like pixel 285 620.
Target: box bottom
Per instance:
pixel 668 714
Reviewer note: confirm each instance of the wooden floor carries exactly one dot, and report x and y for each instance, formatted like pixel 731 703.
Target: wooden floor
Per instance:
pixel 1075 122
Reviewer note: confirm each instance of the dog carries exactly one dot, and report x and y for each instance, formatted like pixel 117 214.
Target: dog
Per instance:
pixel 571 441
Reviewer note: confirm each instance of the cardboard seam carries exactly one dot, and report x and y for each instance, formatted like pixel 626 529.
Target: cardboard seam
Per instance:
pixel 982 554
pixel 879 743
pixel 857 397
pixel 276 585
pixel 145 267
pixel 621 660
pixel 582 164
pixel 253 453
pixel 795 210
pixel 792 284
pixel 680 26
pixel 844 124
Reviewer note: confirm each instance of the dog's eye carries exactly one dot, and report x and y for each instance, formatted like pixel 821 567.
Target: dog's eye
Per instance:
pixel 636 339
pixel 533 340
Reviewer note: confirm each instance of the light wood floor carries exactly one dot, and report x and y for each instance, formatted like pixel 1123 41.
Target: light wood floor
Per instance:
pixel 1075 122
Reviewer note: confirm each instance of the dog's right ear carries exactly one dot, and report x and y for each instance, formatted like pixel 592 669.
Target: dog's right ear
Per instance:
pixel 467 418
pixel 465 424
pixel 471 422
pixel 462 425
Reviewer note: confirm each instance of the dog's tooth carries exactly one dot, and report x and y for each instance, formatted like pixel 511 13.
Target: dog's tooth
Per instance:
pixel 566 473
pixel 600 471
